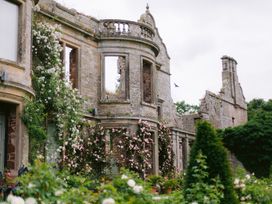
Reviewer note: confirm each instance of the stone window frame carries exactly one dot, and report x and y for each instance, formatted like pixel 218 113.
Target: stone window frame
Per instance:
pixel 21 47
pixel 148 60
pixel 65 43
pixel 21 138
pixel 103 98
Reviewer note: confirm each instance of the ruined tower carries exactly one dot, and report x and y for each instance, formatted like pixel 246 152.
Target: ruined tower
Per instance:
pixel 228 108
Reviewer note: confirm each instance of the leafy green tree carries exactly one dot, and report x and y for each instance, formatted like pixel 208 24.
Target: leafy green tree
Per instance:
pixel 252 142
pixel 212 148
pixel 182 108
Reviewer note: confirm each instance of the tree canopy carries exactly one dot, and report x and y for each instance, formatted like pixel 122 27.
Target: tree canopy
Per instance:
pixel 252 142
pixel 184 108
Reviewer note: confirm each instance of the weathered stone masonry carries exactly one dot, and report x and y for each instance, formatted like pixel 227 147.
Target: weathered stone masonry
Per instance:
pixel 15 81
pixel 142 89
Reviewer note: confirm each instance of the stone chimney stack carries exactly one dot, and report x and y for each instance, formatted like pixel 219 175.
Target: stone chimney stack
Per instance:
pixel 229 78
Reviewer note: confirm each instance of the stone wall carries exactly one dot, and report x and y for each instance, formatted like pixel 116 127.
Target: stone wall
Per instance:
pixel 15 87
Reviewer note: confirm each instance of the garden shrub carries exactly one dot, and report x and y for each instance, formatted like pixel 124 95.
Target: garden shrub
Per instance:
pixel 217 162
pixel 252 190
pixel 203 190
pixel 41 183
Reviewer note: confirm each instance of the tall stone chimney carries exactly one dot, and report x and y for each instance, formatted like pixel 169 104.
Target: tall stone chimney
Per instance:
pixel 229 77
pixel 231 89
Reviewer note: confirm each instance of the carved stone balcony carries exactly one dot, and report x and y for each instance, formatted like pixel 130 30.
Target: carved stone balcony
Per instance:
pixel 127 30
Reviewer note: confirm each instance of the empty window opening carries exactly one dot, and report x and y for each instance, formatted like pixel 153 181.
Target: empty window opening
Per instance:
pixel 9 23
pixel 70 65
pixel 159 112
pixel 115 77
pixel 233 120
pixel 147 82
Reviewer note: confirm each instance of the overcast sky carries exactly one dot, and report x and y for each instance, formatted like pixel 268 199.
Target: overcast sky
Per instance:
pixel 197 33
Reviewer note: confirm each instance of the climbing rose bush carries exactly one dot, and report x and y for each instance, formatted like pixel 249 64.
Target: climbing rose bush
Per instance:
pixel 166 153
pixel 55 101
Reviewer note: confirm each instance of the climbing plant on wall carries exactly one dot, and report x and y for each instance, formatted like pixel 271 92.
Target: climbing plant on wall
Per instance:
pixel 166 154
pixel 100 149
pixel 137 149
pixel 55 101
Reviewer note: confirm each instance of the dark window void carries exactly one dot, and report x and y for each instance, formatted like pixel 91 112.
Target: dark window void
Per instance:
pixel 7 136
pixel 115 72
pixel 159 112
pixel 147 82
pixel 233 121
pixel 70 64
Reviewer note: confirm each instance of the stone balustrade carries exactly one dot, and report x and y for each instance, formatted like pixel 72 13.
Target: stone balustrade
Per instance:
pixel 124 28
pixel 182 142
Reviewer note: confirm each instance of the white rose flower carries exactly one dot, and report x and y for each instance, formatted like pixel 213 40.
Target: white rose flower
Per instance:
pixel 15 200
pixel 242 185
pixel 31 185
pixel 9 198
pixel 30 200
pixel 247 176
pixel 137 189
pixel 59 192
pixel 236 181
pixel 124 176
pixel 156 198
pixel 131 183
pixel 108 201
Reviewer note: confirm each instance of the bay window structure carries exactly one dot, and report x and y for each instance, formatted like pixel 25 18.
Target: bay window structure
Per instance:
pixel 147 82
pixel 115 78
pixel 9 23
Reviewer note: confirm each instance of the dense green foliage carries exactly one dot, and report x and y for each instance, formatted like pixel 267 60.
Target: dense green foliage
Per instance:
pixel 201 191
pixel 252 143
pixel 183 108
pixel 44 183
pixel 217 163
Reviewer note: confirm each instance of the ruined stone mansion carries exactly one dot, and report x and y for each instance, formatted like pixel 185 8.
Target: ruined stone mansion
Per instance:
pixel 121 67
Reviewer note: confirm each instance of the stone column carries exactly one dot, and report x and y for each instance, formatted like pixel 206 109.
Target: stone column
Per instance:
pixel 156 154
pixel 186 148
pixel 174 146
